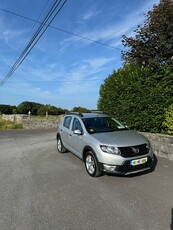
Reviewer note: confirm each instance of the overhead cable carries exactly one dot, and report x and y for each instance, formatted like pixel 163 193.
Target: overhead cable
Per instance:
pixel 55 81
pixel 63 30
pixel 54 10
pixel 27 37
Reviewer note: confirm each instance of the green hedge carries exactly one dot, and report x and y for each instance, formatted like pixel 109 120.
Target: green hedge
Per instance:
pixel 138 97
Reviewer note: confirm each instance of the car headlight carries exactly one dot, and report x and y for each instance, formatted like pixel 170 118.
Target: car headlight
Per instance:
pixel 110 149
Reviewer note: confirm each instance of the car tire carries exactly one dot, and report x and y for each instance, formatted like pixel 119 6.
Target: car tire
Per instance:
pixel 60 146
pixel 91 165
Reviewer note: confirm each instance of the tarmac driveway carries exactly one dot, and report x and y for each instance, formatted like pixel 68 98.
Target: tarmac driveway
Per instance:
pixel 41 189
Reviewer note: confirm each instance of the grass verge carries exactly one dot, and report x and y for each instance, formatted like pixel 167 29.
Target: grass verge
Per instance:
pixel 6 125
pixel 49 118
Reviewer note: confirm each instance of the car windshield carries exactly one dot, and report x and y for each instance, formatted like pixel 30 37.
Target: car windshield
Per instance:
pixel 102 124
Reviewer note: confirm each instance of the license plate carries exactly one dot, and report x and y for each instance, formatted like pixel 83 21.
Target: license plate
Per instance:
pixel 138 161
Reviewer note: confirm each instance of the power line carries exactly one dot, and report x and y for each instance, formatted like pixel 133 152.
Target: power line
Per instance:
pixel 54 81
pixel 31 30
pixel 24 53
pixel 30 45
pixel 36 22
pixel 36 37
pixel 62 30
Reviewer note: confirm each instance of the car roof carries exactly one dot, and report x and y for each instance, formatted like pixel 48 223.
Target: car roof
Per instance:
pixel 87 115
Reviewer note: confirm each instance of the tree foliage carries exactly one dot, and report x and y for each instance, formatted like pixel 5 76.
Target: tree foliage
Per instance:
pixel 153 43
pixel 141 91
pixel 168 123
pixel 39 109
pixel 50 110
pixel 138 96
pixel 33 107
pixel 7 109
pixel 26 106
pixel 80 110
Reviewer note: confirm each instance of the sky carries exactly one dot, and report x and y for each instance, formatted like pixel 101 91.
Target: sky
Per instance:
pixel 63 69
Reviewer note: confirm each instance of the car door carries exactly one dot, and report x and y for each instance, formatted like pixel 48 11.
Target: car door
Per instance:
pixel 76 141
pixel 65 131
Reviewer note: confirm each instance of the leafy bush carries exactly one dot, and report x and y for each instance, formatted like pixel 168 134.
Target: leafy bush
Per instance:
pixel 80 110
pixel 26 106
pixel 138 97
pixel 168 123
pixel 7 109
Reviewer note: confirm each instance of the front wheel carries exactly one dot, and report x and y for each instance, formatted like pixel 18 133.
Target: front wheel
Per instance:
pixel 91 165
pixel 60 146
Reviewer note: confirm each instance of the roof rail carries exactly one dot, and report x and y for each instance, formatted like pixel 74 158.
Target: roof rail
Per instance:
pixel 100 112
pixel 75 113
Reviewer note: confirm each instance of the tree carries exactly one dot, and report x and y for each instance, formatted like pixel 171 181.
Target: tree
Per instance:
pixel 137 96
pixel 53 110
pixel 168 123
pixel 7 109
pixel 50 110
pixel 80 110
pixel 27 106
pixel 153 43
pixel 42 110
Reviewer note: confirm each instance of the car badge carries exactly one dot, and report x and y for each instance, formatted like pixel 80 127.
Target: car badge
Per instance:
pixel 135 150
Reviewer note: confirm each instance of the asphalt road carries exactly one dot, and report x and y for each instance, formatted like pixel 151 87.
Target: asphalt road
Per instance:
pixel 41 189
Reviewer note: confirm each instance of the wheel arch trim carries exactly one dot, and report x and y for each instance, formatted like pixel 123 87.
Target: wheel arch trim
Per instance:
pixel 86 149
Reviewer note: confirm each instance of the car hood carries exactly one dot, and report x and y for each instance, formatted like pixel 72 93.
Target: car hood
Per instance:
pixel 120 138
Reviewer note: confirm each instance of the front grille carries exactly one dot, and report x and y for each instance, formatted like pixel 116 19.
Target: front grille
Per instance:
pixel 126 167
pixel 133 151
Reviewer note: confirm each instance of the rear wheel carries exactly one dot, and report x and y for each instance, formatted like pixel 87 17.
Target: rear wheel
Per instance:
pixel 60 146
pixel 91 165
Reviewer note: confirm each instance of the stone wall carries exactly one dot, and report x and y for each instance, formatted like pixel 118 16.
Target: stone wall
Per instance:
pixel 39 124
pixel 162 144
pixel 15 117
pixel 28 123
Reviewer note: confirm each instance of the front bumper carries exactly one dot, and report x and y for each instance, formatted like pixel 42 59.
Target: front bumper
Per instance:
pixel 126 168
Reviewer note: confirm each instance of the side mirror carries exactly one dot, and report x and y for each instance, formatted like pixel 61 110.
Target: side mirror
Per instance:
pixel 77 132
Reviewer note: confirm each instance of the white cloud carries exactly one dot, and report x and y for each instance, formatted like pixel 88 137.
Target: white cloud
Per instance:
pixel 79 70
pixel 110 34
pixel 91 13
pixel 87 72
pixel 97 64
pixel 48 73
pixel 9 33
pixel 26 91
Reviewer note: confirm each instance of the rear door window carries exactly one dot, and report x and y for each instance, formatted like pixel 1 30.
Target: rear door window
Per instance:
pixel 67 121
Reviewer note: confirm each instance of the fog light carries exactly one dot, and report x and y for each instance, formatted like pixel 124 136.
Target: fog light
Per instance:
pixel 110 168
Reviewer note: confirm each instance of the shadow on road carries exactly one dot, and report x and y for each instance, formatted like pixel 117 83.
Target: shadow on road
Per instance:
pixel 171 226
pixel 154 163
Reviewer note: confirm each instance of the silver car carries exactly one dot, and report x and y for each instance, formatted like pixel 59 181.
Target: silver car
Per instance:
pixel 104 144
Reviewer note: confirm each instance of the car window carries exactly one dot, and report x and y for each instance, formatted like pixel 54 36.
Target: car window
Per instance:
pixel 76 125
pixel 67 121
pixel 102 124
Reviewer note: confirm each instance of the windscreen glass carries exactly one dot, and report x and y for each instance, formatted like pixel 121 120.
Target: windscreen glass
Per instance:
pixel 102 124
